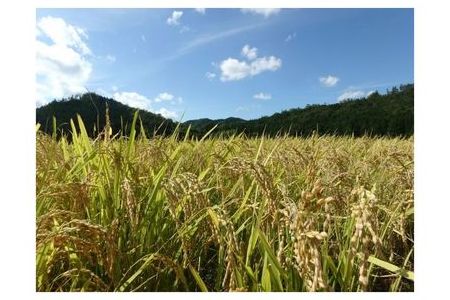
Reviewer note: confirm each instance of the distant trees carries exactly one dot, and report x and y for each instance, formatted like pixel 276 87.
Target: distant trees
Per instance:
pixel 391 114
pixel 92 109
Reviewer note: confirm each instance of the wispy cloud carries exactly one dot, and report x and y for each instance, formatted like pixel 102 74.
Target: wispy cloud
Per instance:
pixel 206 39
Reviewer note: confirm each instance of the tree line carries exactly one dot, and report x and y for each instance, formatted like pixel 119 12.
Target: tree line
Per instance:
pixel 389 114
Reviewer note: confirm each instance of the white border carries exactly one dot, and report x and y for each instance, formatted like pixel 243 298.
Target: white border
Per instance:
pixel 17 143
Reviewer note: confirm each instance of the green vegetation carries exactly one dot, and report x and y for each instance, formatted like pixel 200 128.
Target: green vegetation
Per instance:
pixel 391 114
pixel 92 109
pixel 179 213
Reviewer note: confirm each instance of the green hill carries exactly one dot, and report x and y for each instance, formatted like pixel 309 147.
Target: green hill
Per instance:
pixel 389 114
pixel 92 109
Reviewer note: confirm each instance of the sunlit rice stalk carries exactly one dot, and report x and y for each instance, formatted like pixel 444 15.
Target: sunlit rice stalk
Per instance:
pixel 155 213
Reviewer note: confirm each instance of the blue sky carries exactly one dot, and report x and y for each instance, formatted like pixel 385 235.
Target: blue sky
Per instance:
pixel 217 63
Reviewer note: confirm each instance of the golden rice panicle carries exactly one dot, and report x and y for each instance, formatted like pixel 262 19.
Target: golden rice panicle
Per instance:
pixel 221 212
pixel 365 238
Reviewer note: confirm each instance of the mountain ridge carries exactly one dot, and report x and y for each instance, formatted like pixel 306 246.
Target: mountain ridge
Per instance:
pixel 390 114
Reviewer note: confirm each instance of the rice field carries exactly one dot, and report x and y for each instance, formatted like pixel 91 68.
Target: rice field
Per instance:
pixel 177 213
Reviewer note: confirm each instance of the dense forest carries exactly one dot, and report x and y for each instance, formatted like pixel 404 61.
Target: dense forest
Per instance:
pixel 92 109
pixel 390 114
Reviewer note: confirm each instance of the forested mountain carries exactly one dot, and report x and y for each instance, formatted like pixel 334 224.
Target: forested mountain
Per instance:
pixel 92 109
pixel 388 114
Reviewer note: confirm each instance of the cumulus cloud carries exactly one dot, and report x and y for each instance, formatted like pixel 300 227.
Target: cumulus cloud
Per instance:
pixel 61 33
pixel 133 99
pixel 62 60
pixel 329 81
pixel 166 113
pixel 200 10
pixel 174 19
pixel 164 97
pixel 210 75
pixel 262 96
pixel 266 12
pixel 234 69
pixel 137 100
pixel 249 53
pixel 351 95
pixel 290 37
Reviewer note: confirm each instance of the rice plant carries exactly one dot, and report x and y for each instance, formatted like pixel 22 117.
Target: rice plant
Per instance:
pixel 177 213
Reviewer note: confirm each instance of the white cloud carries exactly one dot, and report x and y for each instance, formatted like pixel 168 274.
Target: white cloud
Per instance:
pixel 143 38
pixel 370 93
pixel 266 12
pixel 62 61
pixel 206 39
pixel 114 88
pixel 262 96
pixel 233 69
pixel 133 99
pixel 351 95
pixel 110 58
pixel 62 33
pixel 174 19
pixel 164 97
pixel 103 93
pixel 262 64
pixel 137 100
pixel 200 10
pixel 210 75
pixel 329 81
pixel 249 53
pixel 290 37
pixel 166 113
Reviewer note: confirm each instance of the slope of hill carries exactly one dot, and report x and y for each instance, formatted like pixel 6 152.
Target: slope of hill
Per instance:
pixel 389 114
pixel 92 109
